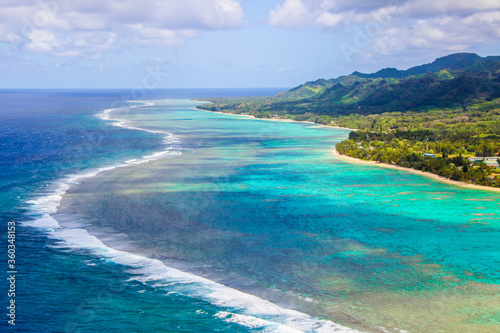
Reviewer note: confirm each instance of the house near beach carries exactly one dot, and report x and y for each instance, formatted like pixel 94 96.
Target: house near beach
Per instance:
pixel 489 161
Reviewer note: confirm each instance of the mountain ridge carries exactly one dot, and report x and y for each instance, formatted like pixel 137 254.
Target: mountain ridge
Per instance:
pixel 456 80
pixel 462 62
pixel 456 61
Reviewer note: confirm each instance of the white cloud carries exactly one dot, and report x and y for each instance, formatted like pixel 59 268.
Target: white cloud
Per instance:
pixel 298 13
pixel 448 33
pixel 328 19
pixel 75 28
pixel 41 41
pixel 148 36
pixel 422 8
pixel 397 26
pixel 293 13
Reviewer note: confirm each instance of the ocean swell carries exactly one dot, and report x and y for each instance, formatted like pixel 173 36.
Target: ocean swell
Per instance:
pixel 249 311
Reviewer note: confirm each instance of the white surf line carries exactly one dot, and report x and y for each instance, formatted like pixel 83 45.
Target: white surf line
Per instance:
pixel 52 201
pixel 251 309
pixel 106 115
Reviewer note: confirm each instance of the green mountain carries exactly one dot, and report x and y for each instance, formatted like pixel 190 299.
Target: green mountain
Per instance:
pixel 308 89
pixel 452 62
pixel 456 80
pixel 455 62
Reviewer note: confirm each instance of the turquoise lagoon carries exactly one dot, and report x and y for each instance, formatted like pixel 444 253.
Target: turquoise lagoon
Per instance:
pixel 263 208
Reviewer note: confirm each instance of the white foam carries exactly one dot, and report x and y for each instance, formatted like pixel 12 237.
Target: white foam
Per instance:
pixel 253 312
pixel 155 273
pixel 254 323
pixel 106 115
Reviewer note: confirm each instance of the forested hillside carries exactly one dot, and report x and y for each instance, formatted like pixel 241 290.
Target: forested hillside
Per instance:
pixel 453 81
pixel 449 108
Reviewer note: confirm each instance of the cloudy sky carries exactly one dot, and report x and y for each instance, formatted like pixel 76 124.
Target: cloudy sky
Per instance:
pixel 230 43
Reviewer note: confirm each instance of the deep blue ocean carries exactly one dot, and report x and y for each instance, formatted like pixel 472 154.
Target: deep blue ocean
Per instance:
pixel 151 216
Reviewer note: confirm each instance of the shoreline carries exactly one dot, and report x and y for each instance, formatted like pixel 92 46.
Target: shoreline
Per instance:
pixel 277 119
pixel 416 172
pixel 378 164
pixel 374 163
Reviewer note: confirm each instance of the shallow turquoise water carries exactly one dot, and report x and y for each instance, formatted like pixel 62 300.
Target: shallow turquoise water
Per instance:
pixel 268 201
pixel 292 164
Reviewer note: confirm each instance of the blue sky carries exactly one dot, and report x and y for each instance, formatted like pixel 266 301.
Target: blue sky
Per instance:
pixel 229 43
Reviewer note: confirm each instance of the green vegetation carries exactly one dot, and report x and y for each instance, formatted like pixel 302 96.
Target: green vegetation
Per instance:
pixel 453 81
pixel 450 108
pixel 452 135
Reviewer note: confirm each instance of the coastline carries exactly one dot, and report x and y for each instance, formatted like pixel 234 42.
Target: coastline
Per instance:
pixel 416 172
pixel 379 164
pixel 374 163
pixel 276 119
